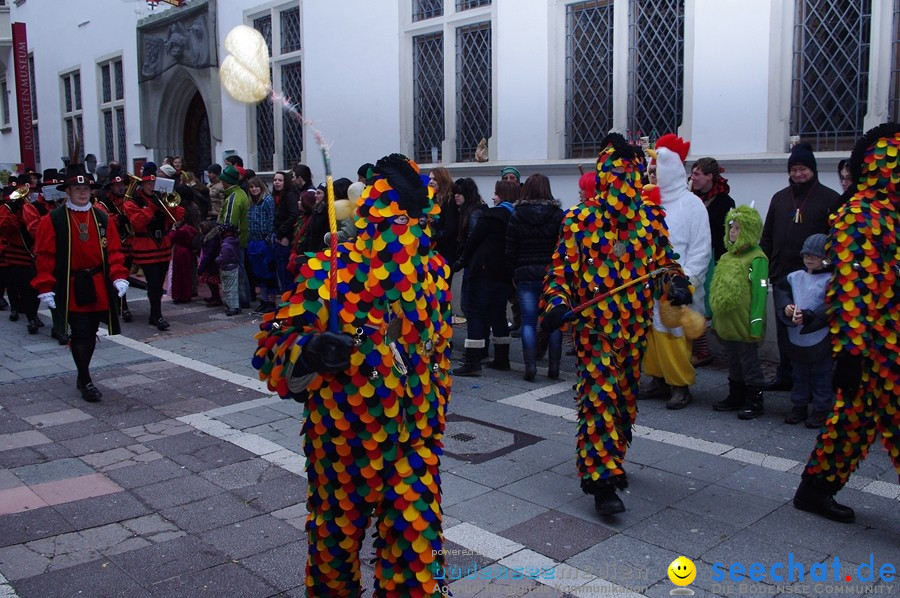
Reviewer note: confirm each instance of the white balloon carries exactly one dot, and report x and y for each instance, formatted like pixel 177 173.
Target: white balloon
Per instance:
pixel 245 71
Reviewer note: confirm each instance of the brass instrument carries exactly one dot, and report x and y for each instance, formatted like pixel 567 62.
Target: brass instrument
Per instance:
pixel 170 200
pixel 133 182
pixel 21 194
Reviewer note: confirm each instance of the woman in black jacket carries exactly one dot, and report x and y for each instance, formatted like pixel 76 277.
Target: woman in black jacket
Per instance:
pixel 531 237
pixel 489 282
pixel 446 227
pixel 470 206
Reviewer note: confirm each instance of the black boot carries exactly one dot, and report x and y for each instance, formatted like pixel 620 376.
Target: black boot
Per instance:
pixel 543 342
pixel 553 370
pixel 735 399
pixel 656 389
pixel 607 503
pixel 472 365
pixel 501 355
pixel 486 351
pixel 816 496
pixel 530 364
pixel 754 406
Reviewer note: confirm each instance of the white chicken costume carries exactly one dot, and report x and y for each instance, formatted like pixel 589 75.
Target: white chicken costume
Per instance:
pixel 668 353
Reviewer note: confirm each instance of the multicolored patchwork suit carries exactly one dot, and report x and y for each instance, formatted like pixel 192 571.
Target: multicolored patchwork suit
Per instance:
pixel 372 432
pixel 608 240
pixel 863 302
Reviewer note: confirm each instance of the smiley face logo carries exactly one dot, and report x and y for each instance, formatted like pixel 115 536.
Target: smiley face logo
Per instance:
pixel 682 571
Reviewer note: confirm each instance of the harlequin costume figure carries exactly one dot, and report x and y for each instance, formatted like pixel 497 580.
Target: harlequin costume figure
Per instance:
pixel 608 240
pixel 863 304
pixel 151 248
pixel 112 201
pixel 376 392
pixel 80 268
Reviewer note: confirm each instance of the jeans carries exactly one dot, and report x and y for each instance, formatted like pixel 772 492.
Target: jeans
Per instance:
pixel 529 293
pixel 487 308
pixel 812 383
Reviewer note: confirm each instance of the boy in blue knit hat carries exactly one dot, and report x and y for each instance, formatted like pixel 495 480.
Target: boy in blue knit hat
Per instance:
pixel 800 304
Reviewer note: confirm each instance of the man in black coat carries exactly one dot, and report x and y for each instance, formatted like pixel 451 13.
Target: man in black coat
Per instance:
pixel 799 210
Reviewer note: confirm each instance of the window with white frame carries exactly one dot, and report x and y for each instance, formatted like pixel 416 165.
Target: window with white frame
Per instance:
pixel 463 29
pixel 829 91
pixel 112 110
pixel 4 103
pixel 655 67
pixel 34 113
pixel 73 119
pixel 589 75
pixel 279 132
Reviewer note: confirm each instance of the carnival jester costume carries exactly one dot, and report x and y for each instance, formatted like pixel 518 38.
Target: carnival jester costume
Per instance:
pixel 610 239
pixel 376 393
pixel 863 303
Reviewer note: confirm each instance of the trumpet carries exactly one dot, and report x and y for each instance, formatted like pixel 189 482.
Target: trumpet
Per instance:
pixel 133 182
pixel 21 194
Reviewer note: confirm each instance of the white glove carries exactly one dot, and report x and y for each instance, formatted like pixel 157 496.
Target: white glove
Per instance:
pixel 48 298
pixel 121 285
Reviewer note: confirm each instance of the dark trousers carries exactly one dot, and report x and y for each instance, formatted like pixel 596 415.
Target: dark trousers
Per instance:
pixel 155 275
pixel 22 296
pixel 282 257
pixel 487 309
pixel 784 371
pixel 84 327
pixel 812 383
pixel 743 363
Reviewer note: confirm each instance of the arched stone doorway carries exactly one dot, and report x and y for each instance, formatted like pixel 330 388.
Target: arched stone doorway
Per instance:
pixel 197 142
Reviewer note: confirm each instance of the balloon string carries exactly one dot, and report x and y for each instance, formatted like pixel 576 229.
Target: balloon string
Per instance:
pixel 292 109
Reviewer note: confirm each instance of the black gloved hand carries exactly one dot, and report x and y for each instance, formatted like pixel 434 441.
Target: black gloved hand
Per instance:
pixel 679 291
pixel 553 319
pixel 847 374
pixel 328 352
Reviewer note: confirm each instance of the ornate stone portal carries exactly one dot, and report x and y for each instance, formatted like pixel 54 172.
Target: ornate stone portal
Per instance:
pixel 179 82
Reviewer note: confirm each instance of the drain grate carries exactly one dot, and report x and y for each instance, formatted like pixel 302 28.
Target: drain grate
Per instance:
pixel 462 437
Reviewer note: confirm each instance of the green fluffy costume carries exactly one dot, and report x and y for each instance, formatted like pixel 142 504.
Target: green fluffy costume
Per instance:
pixel 737 295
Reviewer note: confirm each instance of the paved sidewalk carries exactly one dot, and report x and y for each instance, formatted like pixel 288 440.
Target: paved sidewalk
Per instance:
pixel 188 479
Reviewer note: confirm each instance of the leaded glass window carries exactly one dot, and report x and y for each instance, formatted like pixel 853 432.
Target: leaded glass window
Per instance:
pixel 427 9
pixel 428 96
pixel 829 92
pixel 292 128
pixel 279 132
pixel 469 4
pixel 473 88
pixel 655 66
pixel 72 115
pixel 589 74
pixel 112 111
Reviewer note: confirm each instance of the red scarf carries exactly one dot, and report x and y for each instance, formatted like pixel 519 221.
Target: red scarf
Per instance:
pixel 720 185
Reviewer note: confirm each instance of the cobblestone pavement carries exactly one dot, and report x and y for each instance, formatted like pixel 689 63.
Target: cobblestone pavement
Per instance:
pixel 188 478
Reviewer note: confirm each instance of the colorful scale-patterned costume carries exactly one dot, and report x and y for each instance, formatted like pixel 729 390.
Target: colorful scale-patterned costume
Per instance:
pixel 372 433
pixel 610 239
pixel 863 300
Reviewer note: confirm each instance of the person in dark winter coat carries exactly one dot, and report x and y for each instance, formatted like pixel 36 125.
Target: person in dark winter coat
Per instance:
pixel 531 237
pixel 208 269
pixel 446 227
pixel 471 206
pixel 229 260
pixel 286 213
pixel 709 185
pixel 799 210
pixel 490 283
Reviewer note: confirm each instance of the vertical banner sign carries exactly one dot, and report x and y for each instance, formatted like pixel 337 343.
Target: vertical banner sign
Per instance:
pixel 23 95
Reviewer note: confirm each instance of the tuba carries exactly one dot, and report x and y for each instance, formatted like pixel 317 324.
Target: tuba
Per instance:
pixel 133 182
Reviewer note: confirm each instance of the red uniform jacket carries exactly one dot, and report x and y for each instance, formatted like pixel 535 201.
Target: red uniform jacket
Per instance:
pixel 85 255
pixel 151 225
pixel 17 251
